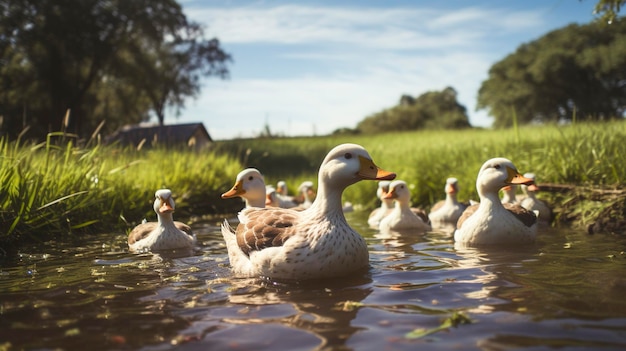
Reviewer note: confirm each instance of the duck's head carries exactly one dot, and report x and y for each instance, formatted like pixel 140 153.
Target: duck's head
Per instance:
pixel 452 186
pixel 163 201
pixel 399 191
pixel 383 188
pixel 306 188
pixel 270 196
pixel 349 163
pixel 248 184
pixel 497 173
pixel 281 187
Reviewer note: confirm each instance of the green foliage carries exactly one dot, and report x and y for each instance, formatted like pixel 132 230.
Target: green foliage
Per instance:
pixel 431 110
pixel 453 321
pixel 580 154
pixel 573 71
pixel 110 60
pixel 56 189
pixel 607 10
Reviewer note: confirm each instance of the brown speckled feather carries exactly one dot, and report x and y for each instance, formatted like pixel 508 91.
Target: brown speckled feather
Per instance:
pixel 421 214
pixel 142 230
pixel 522 214
pixel 525 216
pixel 265 228
pixel 466 214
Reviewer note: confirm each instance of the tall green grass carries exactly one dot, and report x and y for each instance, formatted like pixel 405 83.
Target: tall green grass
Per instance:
pixel 56 188
pixel 580 154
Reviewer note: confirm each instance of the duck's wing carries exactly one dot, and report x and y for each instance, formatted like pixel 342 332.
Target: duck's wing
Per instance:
pixel 183 227
pixel 437 205
pixel 421 213
pixel 523 215
pixel 265 227
pixel 141 231
pixel 466 214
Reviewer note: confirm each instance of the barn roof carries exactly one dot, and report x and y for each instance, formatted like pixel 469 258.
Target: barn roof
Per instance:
pixel 168 134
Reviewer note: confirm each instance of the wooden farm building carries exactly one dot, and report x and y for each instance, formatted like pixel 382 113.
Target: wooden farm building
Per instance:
pixel 190 135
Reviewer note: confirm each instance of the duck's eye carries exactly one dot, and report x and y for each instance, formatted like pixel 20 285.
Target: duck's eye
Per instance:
pixel 496 166
pixel 348 155
pixel 250 178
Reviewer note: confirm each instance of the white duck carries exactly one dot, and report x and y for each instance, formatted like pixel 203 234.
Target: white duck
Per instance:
pixel 509 195
pixel 310 244
pixel 250 186
pixel 274 199
pixel 490 222
pixel 532 203
pixel 445 213
pixel 402 217
pixel 386 205
pixel 306 191
pixel 166 234
pixel 281 188
pixel 282 192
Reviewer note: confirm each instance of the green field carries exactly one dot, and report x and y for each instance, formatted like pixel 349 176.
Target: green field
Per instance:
pixel 57 189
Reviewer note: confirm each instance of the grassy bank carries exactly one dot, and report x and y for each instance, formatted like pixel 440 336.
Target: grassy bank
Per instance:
pixel 580 154
pixel 57 189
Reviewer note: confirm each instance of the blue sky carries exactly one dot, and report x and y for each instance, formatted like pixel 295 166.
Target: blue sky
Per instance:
pixel 310 67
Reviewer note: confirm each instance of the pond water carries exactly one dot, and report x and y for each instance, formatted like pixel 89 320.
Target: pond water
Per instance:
pixel 567 292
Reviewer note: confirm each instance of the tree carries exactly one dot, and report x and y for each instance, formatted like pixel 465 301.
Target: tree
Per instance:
pixel 608 9
pixel 431 110
pixel 574 71
pixel 111 60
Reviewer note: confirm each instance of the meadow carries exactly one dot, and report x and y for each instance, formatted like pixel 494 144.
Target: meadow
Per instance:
pixel 57 189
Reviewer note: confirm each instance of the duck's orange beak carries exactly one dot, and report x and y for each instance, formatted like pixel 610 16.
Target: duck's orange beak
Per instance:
pixel 236 190
pixel 165 206
pixel 369 170
pixel 450 189
pixel 390 195
pixel 515 178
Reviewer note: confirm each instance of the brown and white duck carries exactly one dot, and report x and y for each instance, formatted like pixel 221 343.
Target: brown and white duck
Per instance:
pixel 306 192
pixel 445 213
pixel 165 234
pixel 310 244
pixel 490 222
pixel 532 203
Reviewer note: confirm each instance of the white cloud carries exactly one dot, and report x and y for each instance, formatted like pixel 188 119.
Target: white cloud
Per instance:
pixel 321 68
pixel 398 28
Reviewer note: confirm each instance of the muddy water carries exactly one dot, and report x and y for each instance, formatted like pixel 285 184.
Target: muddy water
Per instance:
pixel 567 292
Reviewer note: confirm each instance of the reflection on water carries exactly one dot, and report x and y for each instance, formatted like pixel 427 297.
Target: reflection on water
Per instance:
pixel 565 292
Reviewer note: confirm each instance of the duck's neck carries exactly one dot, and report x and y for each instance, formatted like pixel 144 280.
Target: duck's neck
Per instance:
pixel 255 203
pixel 489 200
pixel 386 205
pixel 327 202
pixel 402 206
pixel 166 220
pixel 451 199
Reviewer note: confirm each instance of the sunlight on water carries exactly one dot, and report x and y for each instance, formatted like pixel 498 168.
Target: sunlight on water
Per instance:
pixel 565 292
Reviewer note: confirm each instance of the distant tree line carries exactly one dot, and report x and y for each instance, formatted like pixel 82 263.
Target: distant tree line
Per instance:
pixel 122 61
pixel 116 61
pixel 578 71
pixel 431 110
